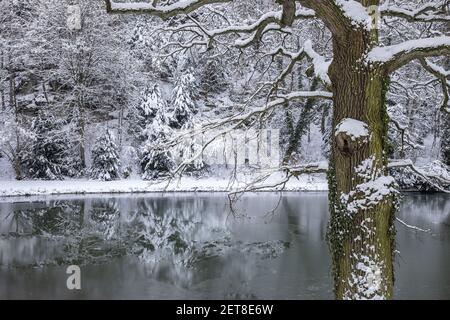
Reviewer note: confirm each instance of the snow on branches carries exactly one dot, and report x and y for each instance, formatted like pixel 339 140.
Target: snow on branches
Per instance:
pixel 183 6
pixel 429 12
pixel 105 158
pixel 396 56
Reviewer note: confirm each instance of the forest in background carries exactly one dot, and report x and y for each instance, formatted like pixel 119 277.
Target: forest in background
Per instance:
pixel 97 101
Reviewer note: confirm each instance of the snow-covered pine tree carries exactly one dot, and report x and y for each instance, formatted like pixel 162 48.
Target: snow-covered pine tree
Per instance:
pixel 212 79
pixel 157 160
pixel 145 111
pixel 105 158
pixel 183 117
pixel 183 105
pixel 44 158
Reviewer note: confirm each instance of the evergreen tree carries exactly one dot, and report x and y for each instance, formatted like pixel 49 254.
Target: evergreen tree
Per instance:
pixel 45 156
pixel 155 159
pixel 184 110
pixel 105 158
pixel 183 105
pixel 145 111
pixel 212 79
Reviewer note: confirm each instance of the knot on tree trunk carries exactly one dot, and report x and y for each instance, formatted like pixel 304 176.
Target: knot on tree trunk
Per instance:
pixel 351 135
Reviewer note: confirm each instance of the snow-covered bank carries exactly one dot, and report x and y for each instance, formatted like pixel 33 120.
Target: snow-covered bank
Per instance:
pixel 186 184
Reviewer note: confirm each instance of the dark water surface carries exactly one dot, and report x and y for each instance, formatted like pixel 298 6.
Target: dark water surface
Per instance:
pixel 187 246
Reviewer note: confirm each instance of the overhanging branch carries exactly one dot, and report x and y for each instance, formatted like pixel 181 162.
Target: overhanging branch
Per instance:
pixel 164 12
pixel 441 75
pixel 430 12
pixel 427 177
pixel 396 56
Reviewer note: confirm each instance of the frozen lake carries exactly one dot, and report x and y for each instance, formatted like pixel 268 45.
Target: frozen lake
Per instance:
pixel 189 246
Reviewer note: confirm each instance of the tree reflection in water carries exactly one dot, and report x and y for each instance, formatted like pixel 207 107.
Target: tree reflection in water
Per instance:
pixel 171 237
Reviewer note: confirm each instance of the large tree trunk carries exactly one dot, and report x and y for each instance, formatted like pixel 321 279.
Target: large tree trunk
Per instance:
pixel 362 196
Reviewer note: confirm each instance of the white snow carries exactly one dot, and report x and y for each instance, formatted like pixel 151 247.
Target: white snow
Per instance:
pixel 428 11
pixel 316 182
pixel 354 128
pixel 179 5
pixel 356 12
pixel 320 65
pixel 438 69
pixel 373 193
pixel 385 54
pixel 366 276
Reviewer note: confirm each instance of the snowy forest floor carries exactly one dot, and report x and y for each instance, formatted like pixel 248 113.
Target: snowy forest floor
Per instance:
pixel 316 182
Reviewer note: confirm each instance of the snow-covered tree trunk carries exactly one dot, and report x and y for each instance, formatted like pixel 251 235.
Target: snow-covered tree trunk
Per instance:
pixel 361 232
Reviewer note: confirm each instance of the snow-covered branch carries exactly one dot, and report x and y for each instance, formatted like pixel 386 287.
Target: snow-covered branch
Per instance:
pixel 319 63
pixel 405 135
pixel 236 120
pixel 436 181
pixel 396 56
pixel 411 226
pixel 259 184
pixel 223 126
pixel 441 74
pixel 430 12
pixel 164 12
pixel 270 21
